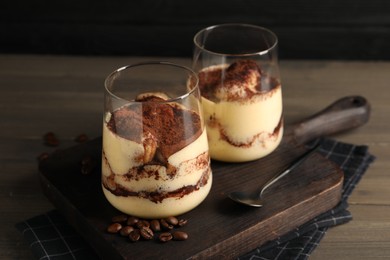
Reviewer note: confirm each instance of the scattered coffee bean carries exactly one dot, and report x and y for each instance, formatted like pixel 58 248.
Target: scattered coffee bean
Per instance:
pixel 155 225
pixel 136 228
pixel 180 235
pixel 125 231
pixel 172 220
pixel 87 165
pixel 42 157
pixel 132 221
pixel 119 218
pixel 182 222
pixel 114 228
pixel 51 139
pixel 134 235
pixel 142 223
pixel 165 225
pixel 165 237
pixel 146 233
pixel 82 138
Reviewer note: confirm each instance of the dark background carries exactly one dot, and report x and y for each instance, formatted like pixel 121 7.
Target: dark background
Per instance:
pixel 307 29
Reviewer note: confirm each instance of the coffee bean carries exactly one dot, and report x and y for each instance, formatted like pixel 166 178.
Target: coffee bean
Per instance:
pixel 165 237
pixel 51 139
pixel 131 221
pixel 137 228
pixel 87 165
pixel 81 138
pixel 155 225
pixel 166 225
pixel 146 233
pixel 134 235
pixel 42 157
pixel 119 218
pixel 125 231
pixel 142 223
pixel 114 228
pixel 172 220
pixel 180 235
pixel 182 222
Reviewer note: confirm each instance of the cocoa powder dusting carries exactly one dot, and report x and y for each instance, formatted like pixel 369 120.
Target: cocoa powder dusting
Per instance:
pixel 208 80
pixel 240 71
pixel 242 74
pixel 172 126
pixel 127 123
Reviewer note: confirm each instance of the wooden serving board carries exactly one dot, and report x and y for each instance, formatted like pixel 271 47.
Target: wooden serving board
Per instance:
pixel 218 227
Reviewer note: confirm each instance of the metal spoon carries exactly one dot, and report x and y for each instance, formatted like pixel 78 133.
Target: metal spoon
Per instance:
pixel 254 199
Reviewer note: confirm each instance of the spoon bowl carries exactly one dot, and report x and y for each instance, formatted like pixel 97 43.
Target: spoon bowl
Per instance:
pixel 246 198
pixel 254 199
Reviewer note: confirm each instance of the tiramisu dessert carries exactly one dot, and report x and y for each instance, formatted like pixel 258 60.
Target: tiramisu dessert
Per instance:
pixel 242 107
pixel 155 158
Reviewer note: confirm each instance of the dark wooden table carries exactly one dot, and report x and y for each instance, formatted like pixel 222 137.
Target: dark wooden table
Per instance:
pixel 64 95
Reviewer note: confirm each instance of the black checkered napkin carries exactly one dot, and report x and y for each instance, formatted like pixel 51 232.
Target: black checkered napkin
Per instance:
pixel 51 237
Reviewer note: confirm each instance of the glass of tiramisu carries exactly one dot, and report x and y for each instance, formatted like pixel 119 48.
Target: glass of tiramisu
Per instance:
pixel 237 66
pixel 155 160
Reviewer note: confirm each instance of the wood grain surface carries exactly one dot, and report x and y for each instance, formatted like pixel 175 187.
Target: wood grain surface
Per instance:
pixel 64 95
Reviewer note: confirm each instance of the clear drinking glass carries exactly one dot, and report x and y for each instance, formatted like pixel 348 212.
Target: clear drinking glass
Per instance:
pixel 155 160
pixel 237 66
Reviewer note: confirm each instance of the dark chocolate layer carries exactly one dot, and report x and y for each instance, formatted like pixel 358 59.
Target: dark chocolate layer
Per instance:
pixel 157 196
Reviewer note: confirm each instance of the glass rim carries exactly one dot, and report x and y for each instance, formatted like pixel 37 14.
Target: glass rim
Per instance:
pixel 260 28
pixel 165 63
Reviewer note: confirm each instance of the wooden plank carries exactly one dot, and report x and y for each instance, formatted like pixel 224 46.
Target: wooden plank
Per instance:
pixel 366 237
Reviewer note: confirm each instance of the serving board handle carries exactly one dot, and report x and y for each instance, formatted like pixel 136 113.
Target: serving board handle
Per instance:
pixel 344 114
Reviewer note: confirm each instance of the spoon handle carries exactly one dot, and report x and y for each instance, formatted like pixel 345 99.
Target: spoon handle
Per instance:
pixel 294 165
pixel 344 114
